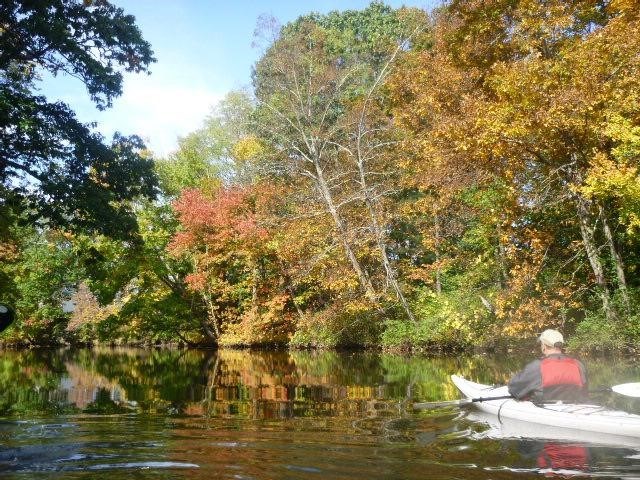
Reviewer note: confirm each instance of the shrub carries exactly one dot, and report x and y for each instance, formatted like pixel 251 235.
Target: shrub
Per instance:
pixel 340 325
pixel 450 320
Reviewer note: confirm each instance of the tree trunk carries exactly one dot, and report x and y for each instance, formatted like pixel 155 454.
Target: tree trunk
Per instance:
pixel 288 286
pixel 436 220
pixel 370 202
pixel 617 260
pixel 365 283
pixel 212 335
pixel 501 258
pixel 587 233
pixel 184 339
pixel 390 272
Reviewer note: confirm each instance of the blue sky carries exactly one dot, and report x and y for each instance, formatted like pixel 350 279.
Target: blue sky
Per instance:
pixel 204 50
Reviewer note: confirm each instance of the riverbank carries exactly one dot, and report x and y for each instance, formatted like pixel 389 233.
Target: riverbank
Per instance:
pixel 526 346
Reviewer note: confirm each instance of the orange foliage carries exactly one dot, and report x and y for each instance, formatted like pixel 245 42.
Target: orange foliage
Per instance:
pixel 9 252
pixel 226 217
pixel 235 264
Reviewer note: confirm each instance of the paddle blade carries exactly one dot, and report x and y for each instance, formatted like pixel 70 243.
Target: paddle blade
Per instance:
pixel 6 316
pixel 628 389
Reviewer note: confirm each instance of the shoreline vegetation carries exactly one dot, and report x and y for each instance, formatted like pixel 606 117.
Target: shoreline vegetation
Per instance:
pixel 393 179
pixel 520 348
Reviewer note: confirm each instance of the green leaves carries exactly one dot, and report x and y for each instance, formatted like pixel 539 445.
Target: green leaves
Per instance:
pixel 62 170
pixel 88 42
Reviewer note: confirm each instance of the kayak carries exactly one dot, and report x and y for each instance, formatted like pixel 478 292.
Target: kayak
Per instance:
pixel 511 429
pixel 585 418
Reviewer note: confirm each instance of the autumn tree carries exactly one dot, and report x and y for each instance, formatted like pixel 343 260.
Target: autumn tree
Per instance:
pixel 144 285
pixel 317 88
pixel 234 270
pixel 531 95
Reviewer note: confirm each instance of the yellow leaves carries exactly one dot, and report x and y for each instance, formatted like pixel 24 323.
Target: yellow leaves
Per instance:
pixel 248 148
pixel 618 181
pixel 340 280
pixel 627 137
pixel 530 316
pixel 606 177
pixel 355 307
pixel 630 7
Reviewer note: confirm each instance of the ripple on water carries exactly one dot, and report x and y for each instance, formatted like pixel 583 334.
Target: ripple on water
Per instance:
pixel 141 465
pixel 300 468
pixel 34 446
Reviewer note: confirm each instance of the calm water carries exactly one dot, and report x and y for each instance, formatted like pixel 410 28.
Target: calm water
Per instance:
pixel 254 415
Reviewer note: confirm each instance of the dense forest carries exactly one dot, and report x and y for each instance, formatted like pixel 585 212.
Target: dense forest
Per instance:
pixel 393 177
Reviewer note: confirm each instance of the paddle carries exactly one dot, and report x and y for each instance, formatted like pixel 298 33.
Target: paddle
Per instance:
pixel 627 389
pixel 6 316
pixel 462 401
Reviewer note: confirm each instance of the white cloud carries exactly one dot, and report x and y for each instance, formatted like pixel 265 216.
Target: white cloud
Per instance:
pixel 158 111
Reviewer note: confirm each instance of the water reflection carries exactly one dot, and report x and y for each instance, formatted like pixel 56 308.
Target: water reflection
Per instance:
pixel 555 456
pixel 558 459
pixel 243 414
pixel 556 451
pixel 207 383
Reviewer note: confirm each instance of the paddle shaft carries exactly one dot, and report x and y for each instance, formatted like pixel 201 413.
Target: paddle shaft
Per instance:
pixel 463 401
pixel 484 399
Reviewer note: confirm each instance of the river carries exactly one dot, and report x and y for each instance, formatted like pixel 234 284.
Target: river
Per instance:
pixel 240 414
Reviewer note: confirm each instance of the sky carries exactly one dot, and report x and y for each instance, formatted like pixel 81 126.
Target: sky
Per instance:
pixel 203 50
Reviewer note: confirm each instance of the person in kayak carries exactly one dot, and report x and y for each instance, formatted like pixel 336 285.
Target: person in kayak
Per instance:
pixel 554 377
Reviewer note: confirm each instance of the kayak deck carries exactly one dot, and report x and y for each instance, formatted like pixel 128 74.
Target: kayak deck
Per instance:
pixel 587 417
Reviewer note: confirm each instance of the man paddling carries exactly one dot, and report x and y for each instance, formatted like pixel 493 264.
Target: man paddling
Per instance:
pixel 555 377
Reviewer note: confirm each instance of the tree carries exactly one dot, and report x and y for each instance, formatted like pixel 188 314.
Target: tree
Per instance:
pixel 142 287
pixel 208 155
pixel 234 267
pixel 51 163
pixel 44 277
pixel 146 284
pixel 317 111
pixel 540 97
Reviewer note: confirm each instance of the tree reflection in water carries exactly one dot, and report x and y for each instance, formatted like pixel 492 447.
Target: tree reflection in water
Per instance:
pixel 257 409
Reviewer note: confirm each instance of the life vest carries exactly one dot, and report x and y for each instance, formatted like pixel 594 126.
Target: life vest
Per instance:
pixel 561 379
pixel 560 371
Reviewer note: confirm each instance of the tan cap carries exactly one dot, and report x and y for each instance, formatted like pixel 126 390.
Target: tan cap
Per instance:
pixel 551 338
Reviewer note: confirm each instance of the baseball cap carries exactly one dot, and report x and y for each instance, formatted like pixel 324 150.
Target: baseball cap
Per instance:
pixel 552 338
